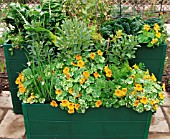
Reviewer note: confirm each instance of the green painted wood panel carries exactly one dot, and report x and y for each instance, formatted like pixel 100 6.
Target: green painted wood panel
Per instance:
pixel 44 121
pixel 14 64
pixel 153 58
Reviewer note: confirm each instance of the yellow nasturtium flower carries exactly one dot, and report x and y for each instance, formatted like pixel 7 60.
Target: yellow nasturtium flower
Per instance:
pixel 58 92
pixel 70 111
pixel 154 40
pixel 138 87
pixel 161 95
pixel 71 91
pixel 92 55
pixel 77 106
pixel 82 80
pixel 158 34
pixel 153 78
pixel 119 33
pixel 163 87
pixel 135 66
pixel 70 105
pixel 99 52
pixel 156 27
pixel 144 100
pixel 80 64
pixel 146 27
pixel 136 103
pixel 86 74
pixel 66 70
pixel 64 103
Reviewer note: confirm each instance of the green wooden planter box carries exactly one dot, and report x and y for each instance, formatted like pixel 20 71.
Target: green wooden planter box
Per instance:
pixel 14 65
pixel 153 58
pixel 45 122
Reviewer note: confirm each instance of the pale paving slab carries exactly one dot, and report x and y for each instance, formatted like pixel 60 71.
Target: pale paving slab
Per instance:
pixel 5 100
pixel 167 113
pixel 168 30
pixel 159 136
pixel 12 126
pixel 158 122
pixel 1 114
pixel 167 99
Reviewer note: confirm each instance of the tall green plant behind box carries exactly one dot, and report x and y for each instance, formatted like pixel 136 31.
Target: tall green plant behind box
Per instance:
pixel 153 58
pixel 15 64
pixel 45 122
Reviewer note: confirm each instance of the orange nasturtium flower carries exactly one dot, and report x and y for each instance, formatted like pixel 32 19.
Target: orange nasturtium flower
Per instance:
pixel 124 90
pixel 136 103
pixel 22 88
pixel 118 93
pixel 58 92
pixel 77 106
pixel 98 103
pixel 99 52
pixel 53 103
pixel 78 57
pixel 92 55
pixel 144 100
pixel 66 70
pixel 80 64
pixel 18 81
pixel 96 74
pixel 146 27
pixel 138 87
pixel 86 74
pixel 70 111
pixel 64 103
pixel 154 40
pixel 68 76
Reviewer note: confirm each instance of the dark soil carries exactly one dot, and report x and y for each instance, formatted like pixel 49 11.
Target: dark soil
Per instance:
pixel 3 74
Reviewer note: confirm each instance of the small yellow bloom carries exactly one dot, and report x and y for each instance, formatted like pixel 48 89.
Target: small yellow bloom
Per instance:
pixel 106 68
pixel 132 76
pixel 108 73
pixel 146 27
pixel 99 52
pixel 124 90
pixel 29 100
pixel 96 74
pixel 70 111
pixel 58 92
pixel 119 93
pixel 86 74
pixel 136 103
pixel 92 55
pixel 145 77
pixel 70 105
pixel 147 72
pixel 71 91
pixel 82 80
pixel 80 64
pixel 98 103
pixel 155 107
pixel 72 63
pixel 64 103
pixel 144 100
pixel 158 34
pixel 21 76
pixel 135 66
pixel 156 27
pixel 22 88
pixel 163 87
pixel 119 33
pixel 53 103
pixel 77 106
pixel 161 95
pixel 153 78
pixel 18 81
pixel 66 70
pixel 133 93
pixel 152 102
pixel 78 57
pixel 138 87
pixel 154 40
